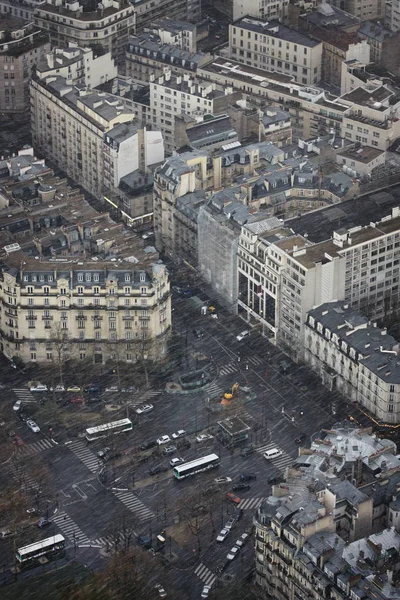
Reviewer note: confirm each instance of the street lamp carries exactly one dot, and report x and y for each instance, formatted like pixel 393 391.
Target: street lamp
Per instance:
pixel 146 374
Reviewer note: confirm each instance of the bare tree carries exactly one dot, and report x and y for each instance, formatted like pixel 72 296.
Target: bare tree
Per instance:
pixel 144 353
pixel 60 348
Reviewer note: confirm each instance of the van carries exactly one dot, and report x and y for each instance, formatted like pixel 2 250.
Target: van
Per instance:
pixel 273 453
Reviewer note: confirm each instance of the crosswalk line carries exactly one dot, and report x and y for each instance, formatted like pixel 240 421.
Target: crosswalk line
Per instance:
pixel 249 503
pixel 205 574
pixel 24 478
pixel 69 528
pixel 135 505
pixel 36 447
pixel 89 459
pixel 282 461
pixel 120 537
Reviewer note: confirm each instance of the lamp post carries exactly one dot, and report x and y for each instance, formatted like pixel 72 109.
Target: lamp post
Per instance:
pixel 146 374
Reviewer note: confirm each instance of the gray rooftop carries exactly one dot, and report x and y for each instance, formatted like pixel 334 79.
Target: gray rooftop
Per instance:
pixel 374 31
pixel 276 29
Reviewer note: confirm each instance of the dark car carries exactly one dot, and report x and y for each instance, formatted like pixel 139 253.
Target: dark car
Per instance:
pixel 43 522
pixel 241 487
pixel 198 333
pixel 147 445
pixel 158 469
pixel 247 451
pixel 248 476
pixel 92 389
pixel 275 480
pixel 300 439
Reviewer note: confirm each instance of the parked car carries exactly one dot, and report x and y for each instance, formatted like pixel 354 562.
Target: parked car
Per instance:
pixel 59 389
pixel 232 498
pixel 73 388
pixel 221 480
pixel 169 450
pixel 92 389
pixel 164 439
pixel 242 335
pixel 203 437
pixel 147 445
pixel 32 425
pixel 128 390
pixel 230 523
pixel 39 387
pixel 31 511
pixel 5 534
pixel 206 591
pixel 233 553
pixel 112 389
pixel 161 592
pixel 43 522
pixel 223 534
pixel 247 451
pixel 242 540
pixel 144 408
pixel 77 400
pixel 241 487
pixel 176 461
pixel 158 469
pixel 248 476
pixel 147 235
pixel 300 439
pixel 178 434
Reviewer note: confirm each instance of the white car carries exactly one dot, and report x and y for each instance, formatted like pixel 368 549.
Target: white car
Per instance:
pixel 112 389
pixel 178 434
pixel 161 592
pixel 206 591
pixel 223 534
pixel 147 235
pixel 59 388
pixel 40 387
pixel 242 540
pixel 17 405
pixel 176 461
pixel 242 335
pixel 164 439
pixel 233 553
pixel 32 425
pixel 203 437
pixel 223 479
pixel 144 408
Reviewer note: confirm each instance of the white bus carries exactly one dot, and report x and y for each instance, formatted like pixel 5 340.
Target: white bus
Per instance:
pixel 94 433
pixel 51 547
pixel 196 466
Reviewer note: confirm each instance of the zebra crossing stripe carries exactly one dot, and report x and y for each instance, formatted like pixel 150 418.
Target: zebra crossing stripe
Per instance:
pixel 36 447
pixel 69 528
pixel 284 460
pixel 89 459
pixel 250 503
pixel 205 574
pixel 133 503
pixel 120 538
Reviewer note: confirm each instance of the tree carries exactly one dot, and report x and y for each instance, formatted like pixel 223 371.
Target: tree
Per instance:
pixel 60 347
pixel 144 354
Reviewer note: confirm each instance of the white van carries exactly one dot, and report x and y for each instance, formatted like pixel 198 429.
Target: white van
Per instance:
pixel 273 453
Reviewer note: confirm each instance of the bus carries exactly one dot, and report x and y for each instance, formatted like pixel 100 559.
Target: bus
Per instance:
pixel 51 547
pixel 196 466
pixel 94 433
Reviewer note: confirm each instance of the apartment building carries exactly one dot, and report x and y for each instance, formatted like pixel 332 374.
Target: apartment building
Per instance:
pixel 365 10
pixel 259 9
pixel 392 15
pixel 361 161
pixel 107 24
pixel 176 33
pixel 372 118
pixel 175 95
pixel 383 44
pixel 147 55
pixel 84 310
pixel 23 9
pixel 354 356
pixel 148 11
pixel 275 47
pixel 22 45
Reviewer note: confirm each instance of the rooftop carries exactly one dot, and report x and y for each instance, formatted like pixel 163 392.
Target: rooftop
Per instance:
pixel 173 25
pixel 374 31
pixel 276 29
pixel 233 425
pixel 145 43
pixel 329 17
pixel 365 154
pixel 371 98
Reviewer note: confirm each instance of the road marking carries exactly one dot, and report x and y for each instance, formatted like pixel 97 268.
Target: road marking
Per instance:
pixel 69 528
pixel 78 490
pixel 282 461
pixel 249 503
pixel 89 459
pixel 205 574
pixel 35 447
pixel 135 505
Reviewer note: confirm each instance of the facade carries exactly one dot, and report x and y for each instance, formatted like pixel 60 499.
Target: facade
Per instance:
pixel 175 32
pixel 355 357
pixel 364 10
pixel 392 15
pixel 361 161
pixel 24 9
pixel 260 9
pixel 148 11
pixel 51 312
pixel 255 124
pixel 383 44
pixel 275 47
pixel 108 26
pixel 22 45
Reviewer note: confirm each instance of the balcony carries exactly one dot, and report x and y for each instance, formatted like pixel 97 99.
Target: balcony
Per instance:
pixel 81 318
pixel 31 317
pixel 47 318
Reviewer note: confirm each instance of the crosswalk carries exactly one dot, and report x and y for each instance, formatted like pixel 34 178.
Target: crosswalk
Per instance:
pixel 236 367
pixel 205 574
pixel 81 451
pixel 121 539
pixel 282 461
pixel 133 503
pixel 35 447
pixel 143 397
pixel 232 367
pixel 23 394
pixel 213 390
pixel 250 503
pixel 70 529
pixel 20 474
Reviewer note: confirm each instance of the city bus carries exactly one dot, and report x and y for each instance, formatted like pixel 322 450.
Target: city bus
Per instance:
pixel 196 466
pixel 94 433
pixel 51 547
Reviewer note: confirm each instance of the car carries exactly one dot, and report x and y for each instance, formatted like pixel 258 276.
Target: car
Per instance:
pixel 242 335
pixel 177 289
pixel 143 409
pixel 32 425
pixel 31 511
pixel 77 400
pixel 103 453
pixel 230 523
pixel 248 476
pixel 206 591
pixel 241 486
pixel 161 592
pixel 147 235
pixel 18 441
pixel 147 445
pixel 92 389
pixel 129 390
pixel 5 534
pixel 164 439
pixel 221 480
pixel 17 405
pixel 232 498
pixel 233 553
pixel 39 387
pixel 176 461
pixel 247 451
pixel 112 389
pixel 203 437
pixel 43 522
pixel 169 450
pixel 242 540
pixel 59 389
pixel 198 333
pixel 158 469
pixel 275 480
pixel 178 434
pixel 73 388
pixel 300 439
pixel 223 534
